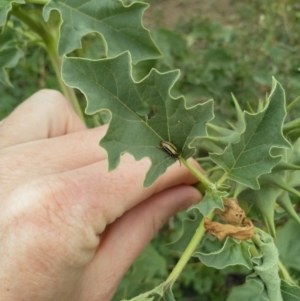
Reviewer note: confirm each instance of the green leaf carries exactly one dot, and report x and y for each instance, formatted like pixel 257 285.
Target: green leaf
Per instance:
pixel 293 156
pixel 232 253
pixel 212 200
pixel 265 266
pixel 245 161
pixel 264 201
pixel 221 136
pixel 5 8
pixel 288 244
pixel 284 201
pixel 272 185
pixel 148 296
pixel 147 271
pixel 280 182
pixel 189 227
pixel 249 291
pixel 200 278
pixel 10 54
pixel 163 290
pixel 108 85
pixel 239 114
pixel 119 25
pixel 140 298
pixel 168 296
pixel 290 292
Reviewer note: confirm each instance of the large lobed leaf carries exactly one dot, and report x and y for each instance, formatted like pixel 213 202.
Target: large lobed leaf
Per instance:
pixel 5 7
pixel 246 160
pixel 120 25
pixel 108 85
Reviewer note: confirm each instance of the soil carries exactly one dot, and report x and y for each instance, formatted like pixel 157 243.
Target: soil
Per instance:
pixel 168 13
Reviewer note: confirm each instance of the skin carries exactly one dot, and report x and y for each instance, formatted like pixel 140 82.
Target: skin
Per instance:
pixel 69 229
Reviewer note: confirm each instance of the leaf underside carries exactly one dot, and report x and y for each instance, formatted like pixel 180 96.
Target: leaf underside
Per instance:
pixel 108 85
pixel 232 253
pixel 266 268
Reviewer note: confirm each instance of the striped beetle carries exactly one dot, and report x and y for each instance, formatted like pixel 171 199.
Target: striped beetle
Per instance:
pixel 171 149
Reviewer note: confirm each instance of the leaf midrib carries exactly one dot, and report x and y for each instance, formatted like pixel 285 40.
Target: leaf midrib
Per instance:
pixel 121 102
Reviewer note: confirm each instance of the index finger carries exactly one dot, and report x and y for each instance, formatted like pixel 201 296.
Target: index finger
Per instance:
pixel 111 194
pixel 45 114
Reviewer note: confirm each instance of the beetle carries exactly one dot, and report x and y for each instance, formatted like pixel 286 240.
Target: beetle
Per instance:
pixel 171 149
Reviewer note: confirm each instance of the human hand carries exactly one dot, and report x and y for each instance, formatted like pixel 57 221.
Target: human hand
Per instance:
pixel 69 229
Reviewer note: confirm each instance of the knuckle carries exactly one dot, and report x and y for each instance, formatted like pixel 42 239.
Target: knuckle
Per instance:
pixel 51 98
pixel 40 216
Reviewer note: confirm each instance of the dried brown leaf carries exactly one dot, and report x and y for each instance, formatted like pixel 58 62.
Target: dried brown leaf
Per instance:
pixel 221 231
pixel 233 214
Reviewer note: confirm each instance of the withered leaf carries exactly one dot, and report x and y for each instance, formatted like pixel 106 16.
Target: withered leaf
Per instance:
pixel 233 214
pixel 221 231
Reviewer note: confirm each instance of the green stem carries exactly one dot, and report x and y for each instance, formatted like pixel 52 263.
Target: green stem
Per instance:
pixel 50 43
pixel 29 35
pixel 67 91
pixel 222 179
pixel 198 174
pixel 215 168
pixel 288 127
pixel 253 251
pixel 285 274
pixel 24 17
pixel 256 240
pixel 42 2
pixel 188 252
pixel 148 293
pixel 204 159
pixel 292 104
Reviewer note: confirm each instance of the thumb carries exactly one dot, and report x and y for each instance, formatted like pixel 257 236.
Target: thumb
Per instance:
pixel 126 238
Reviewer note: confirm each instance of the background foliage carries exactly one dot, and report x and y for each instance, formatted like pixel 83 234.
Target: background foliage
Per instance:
pixel 220 48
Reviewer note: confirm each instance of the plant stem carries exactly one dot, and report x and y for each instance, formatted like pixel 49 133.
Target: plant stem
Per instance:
pixel 215 168
pixel 24 17
pixel 292 104
pixel 200 231
pixel 256 240
pixel 294 124
pixel 50 43
pixel 198 174
pixel 285 274
pixel 42 2
pixel 67 91
pixel 253 251
pixel 222 179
